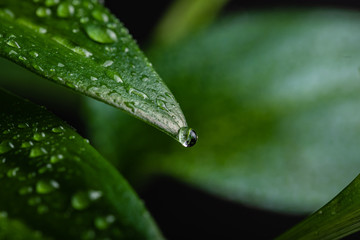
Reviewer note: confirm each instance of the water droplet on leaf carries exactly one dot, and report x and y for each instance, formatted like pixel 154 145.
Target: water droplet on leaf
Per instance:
pixel 43 12
pixel 101 34
pixel 46 186
pixel 65 10
pixel 37 152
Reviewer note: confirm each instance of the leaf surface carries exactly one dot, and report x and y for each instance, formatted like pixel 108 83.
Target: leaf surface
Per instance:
pixel 275 97
pixel 53 182
pixel 81 45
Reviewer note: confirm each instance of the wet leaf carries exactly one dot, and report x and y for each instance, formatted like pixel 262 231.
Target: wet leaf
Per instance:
pixel 81 45
pixel 337 219
pixel 274 96
pixel 55 183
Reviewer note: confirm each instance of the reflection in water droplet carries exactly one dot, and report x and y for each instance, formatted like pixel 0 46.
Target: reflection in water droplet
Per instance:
pixel 46 186
pixel 65 10
pixel 187 137
pixel 37 152
pixel 43 12
pixel 6 146
pixel 101 34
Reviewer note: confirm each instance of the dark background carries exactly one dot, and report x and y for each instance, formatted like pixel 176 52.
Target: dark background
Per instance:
pixel 181 211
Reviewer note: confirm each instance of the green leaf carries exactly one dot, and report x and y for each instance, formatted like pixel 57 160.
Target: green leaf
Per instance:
pixel 80 45
pixel 337 219
pixel 185 17
pixel 274 95
pixel 55 183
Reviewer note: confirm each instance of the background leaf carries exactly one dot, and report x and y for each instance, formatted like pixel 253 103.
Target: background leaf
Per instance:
pixel 54 182
pixel 337 219
pixel 82 46
pixel 274 97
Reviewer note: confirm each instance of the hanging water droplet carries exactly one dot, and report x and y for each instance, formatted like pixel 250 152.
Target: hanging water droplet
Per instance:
pixel 39 136
pixel 37 152
pixel 50 3
pixel 108 63
pixel 187 137
pixel 133 91
pixel 25 190
pixel 101 34
pixel 6 146
pixel 65 10
pixel 13 43
pixel 43 12
pixel 100 16
pixel 46 186
pixel 12 172
pixel 27 144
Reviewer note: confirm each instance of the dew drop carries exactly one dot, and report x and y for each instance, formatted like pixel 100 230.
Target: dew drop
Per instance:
pixel 59 129
pixel 80 200
pixel 23 125
pixel 22 58
pixel 65 10
pixel 108 63
pixel 84 20
pixel 37 152
pixel 103 223
pixel 27 144
pixel 12 172
pixel 118 79
pixel 13 43
pixel 34 201
pixel 34 54
pixel 39 136
pixel 93 78
pixel 6 146
pixel 82 51
pixel 25 190
pixel 50 3
pixel 133 91
pixel 101 34
pixel 145 78
pixel 45 168
pixel 46 186
pixel 56 158
pixel 187 137
pixel 43 12
pixel 100 16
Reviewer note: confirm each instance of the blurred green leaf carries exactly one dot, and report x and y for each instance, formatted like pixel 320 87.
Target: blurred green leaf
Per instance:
pixel 274 96
pixel 82 46
pixel 53 182
pixel 337 219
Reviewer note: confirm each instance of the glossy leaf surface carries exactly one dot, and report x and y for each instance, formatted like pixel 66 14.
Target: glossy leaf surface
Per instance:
pixel 54 183
pixel 80 45
pixel 275 98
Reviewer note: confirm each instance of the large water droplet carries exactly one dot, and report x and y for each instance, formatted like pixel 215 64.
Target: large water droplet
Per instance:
pixel 46 186
pixel 65 10
pixel 6 146
pixel 187 137
pixel 37 152
pixel 101 34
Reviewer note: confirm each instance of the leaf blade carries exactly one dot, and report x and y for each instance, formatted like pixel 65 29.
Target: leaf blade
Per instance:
pixel 85 48
pixel 54 179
